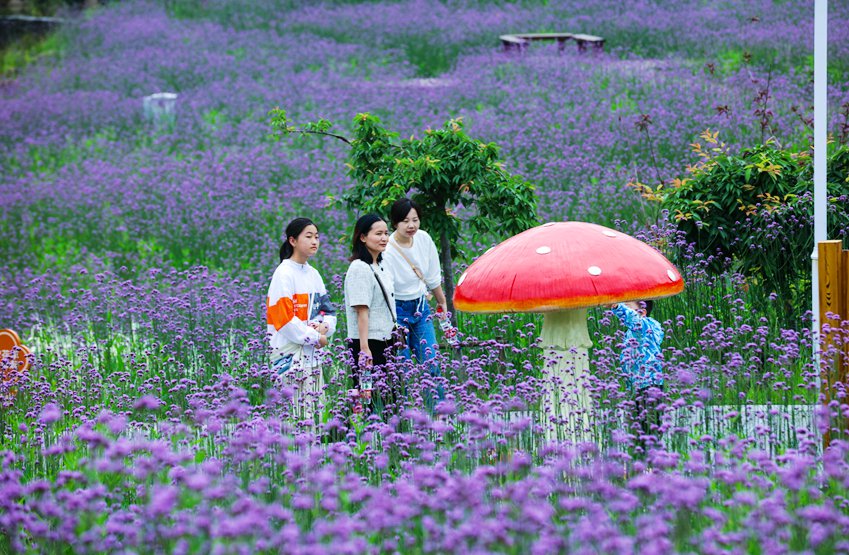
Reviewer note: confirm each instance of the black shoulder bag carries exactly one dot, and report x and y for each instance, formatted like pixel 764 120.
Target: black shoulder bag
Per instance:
pixel 399 332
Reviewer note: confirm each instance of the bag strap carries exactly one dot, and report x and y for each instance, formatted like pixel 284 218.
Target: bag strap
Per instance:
pixel 415 268
pixel 385 296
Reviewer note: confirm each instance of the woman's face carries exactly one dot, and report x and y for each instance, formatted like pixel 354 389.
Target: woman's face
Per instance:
pixel 377 238
pixel 410 224
pixel 306 244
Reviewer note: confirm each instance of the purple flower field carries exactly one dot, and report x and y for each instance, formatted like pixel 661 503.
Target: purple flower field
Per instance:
pixel 136 256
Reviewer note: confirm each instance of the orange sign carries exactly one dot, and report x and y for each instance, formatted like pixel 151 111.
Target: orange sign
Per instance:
pixel 13 364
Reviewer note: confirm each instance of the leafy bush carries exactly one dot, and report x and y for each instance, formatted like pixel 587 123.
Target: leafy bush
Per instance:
pixel 753 211
pixel 726 191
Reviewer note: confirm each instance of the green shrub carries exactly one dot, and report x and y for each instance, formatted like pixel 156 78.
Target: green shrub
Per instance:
pixel 726 191
pixel 753 211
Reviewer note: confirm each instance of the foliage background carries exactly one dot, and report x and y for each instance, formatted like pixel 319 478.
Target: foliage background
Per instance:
pixel 136 257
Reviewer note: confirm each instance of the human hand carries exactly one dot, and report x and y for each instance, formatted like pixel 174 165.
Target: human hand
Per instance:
pixel 320 327
pixel 322 340
pixel 442 310
pixel 365 359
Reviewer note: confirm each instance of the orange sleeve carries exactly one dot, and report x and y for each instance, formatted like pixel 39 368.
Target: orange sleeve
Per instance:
pixel 280 313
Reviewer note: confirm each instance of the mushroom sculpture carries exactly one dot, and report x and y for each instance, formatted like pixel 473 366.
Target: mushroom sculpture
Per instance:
pixel 561 269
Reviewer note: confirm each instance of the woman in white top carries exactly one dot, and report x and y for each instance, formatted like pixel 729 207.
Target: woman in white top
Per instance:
pixel 414 262
pixel 370 305
pixel 300 318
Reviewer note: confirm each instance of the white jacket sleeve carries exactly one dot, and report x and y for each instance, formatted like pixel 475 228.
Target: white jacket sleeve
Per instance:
pixel 325 307
pixel 432 270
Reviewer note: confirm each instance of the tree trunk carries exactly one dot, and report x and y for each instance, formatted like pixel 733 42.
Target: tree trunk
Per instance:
pixel 448 273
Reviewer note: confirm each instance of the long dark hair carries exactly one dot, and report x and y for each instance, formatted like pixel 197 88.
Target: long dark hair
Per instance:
pixel 294 230
pixel 359 251
pixel 400 208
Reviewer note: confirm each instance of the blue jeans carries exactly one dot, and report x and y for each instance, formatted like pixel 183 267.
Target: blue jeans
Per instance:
pixel 421 338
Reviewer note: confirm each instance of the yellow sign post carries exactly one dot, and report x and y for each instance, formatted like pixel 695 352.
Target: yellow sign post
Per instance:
pixel 833 300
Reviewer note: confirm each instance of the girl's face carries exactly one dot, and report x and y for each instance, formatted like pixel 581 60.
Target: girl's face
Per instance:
pixel 377 238
pixel 636 306
pixel 410 224
pixel 306 244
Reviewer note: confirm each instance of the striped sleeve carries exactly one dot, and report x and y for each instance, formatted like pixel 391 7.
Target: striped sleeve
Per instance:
pixel 322 304
pixel 280 313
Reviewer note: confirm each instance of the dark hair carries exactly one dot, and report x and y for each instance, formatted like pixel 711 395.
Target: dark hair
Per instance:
pixel 359 251
pixel 400 209
pixel 649 307
pixel 294 229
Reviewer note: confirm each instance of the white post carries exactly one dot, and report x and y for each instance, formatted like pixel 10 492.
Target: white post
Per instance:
pixel 160 107
pixel 820 189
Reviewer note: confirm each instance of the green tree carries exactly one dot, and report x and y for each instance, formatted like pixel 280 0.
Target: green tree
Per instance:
pixel 441 171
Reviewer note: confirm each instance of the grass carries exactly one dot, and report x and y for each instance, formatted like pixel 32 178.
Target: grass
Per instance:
pixel 19 55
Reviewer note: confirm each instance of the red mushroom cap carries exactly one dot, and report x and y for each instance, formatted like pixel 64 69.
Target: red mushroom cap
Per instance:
pixel 565 265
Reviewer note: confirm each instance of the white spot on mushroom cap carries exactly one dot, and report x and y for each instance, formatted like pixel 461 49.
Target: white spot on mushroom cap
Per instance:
pixel 609 233
pixel 594 270
pixel 672 275
pixel 462 278
pixel 543 250
pixel 549 224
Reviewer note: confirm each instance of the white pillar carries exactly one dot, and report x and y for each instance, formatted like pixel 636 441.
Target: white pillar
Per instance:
pixel 160 107
pixel 820 151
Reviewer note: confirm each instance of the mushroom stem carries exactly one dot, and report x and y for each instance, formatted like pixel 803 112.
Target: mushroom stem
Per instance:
pixel 566 329
pixel 565 333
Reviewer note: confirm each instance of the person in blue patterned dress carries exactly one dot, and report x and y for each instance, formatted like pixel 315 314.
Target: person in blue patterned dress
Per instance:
pixel 642 364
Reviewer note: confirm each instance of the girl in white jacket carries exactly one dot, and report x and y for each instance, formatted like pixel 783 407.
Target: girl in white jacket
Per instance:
pixel 300 319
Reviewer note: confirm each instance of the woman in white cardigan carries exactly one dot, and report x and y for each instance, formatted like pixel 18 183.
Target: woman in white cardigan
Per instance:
pixel 412 258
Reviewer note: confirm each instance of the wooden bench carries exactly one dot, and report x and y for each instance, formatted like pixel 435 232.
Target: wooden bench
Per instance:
pixel 13 27
pixel 519 41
